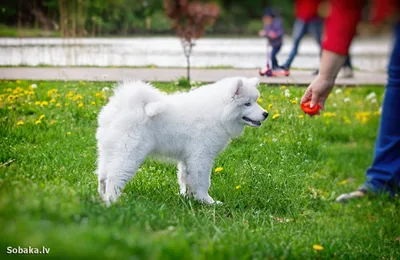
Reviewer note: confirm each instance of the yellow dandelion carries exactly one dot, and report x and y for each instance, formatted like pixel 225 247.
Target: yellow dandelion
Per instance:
pixel 363 116
pixel 52 101
pixel 44 103
pixel 259 100
pixel 77 97
pixel 318 247
pixel 58 95
pixel 237 187
pixel 10 107
pixel 58 105
pixel 293 101
pixel 346 120
pixel 20 122
pixel 283 87
pixel 269 106
pixel 301 116
pixel 276 116
pixel 8 90
pixel 18 82
pixel 83 83
pixel 68 133
pixel 80 104
pixel 70 94
pixel 11 97
pixel 37 103
pixel 99 94
pixel 93 103
pixel 41 117
pixel 328 114
pixel 218 169
pixel 51 92
pixel 38 122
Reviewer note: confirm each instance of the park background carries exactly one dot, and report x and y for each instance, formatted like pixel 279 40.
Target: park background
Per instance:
pixel 139 34
pixel 278 183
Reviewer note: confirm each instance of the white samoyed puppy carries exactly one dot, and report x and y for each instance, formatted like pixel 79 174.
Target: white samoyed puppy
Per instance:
pixel 190 127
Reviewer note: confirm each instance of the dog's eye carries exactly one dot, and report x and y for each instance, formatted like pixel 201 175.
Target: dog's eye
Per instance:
pixel 247 104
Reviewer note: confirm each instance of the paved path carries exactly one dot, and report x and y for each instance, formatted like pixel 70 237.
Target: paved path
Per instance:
pixel 165 75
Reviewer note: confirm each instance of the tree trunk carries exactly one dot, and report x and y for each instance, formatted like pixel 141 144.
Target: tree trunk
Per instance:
pixel 19 18
pixel 62 17
pixel 81 18
pixel 36 23
pixel 188 67
pixel 72 14
pixel 99 27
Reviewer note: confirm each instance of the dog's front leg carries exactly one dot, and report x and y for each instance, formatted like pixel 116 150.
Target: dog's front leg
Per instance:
pixel 182 178
pixel 198 170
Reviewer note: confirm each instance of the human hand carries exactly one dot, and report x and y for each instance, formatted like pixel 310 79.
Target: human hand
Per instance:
pixel 261 33
pixel 272 35
pixel 318 92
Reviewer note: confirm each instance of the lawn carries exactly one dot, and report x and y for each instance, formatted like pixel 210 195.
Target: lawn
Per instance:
pixel 278 183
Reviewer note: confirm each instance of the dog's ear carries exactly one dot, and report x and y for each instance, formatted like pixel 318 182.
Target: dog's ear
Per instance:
pixel 254 82
pixel 238 86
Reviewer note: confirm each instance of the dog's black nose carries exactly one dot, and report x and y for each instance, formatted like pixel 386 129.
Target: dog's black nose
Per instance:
pixel 265 114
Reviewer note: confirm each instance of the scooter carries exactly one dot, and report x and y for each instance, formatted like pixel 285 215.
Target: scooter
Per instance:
pixel 270 72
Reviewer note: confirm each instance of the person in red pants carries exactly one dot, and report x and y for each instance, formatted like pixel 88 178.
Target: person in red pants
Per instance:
pixel 340 27
pixel 309 21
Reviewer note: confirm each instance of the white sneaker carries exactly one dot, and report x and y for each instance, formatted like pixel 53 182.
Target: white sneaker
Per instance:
pixel 346 73
pixel 360 193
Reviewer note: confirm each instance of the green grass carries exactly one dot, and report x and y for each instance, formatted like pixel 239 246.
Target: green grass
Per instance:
pixel 278 184
pixel 9 31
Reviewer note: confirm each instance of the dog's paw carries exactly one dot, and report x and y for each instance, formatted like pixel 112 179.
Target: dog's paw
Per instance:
pixel 208 200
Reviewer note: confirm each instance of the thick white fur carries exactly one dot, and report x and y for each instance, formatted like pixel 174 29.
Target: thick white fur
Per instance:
pixel 191 127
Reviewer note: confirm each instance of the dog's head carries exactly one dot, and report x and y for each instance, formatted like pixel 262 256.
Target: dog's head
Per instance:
pixel 244 95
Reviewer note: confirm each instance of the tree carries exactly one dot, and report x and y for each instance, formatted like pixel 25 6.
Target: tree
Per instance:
pixel 189 21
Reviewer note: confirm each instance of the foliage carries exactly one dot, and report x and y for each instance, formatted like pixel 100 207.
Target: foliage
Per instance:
pixel 126 17
pixel 277 182
pixel 190 19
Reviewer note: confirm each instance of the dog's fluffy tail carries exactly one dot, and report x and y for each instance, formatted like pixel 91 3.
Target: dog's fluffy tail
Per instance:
pixel 137 94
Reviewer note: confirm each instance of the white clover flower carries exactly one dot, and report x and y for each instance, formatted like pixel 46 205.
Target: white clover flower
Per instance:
pixel 274 140
pixel 105 89
pixel 334 105
pixel 373 101
pixel 287 93
pixel 371 96
pixel 33 86
pixel 346 99
pixel 338 91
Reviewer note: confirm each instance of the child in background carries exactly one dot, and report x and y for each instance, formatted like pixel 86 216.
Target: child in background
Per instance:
pixel 273 31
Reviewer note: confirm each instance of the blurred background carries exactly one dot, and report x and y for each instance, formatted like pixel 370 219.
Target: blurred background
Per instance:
pixel 138 33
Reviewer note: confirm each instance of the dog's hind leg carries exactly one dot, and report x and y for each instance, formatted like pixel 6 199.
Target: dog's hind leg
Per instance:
pixel 120 169
pixel 102 174
pixel 182 177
